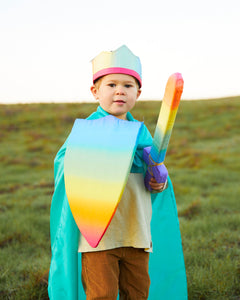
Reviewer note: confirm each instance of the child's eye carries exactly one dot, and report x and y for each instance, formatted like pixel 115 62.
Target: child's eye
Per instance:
pixel 112 84
pixel 128 85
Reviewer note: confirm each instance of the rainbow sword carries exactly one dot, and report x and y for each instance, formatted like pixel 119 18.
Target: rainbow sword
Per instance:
pixel 154 156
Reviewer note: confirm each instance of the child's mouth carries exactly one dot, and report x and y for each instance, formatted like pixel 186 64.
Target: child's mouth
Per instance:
pixel 119 101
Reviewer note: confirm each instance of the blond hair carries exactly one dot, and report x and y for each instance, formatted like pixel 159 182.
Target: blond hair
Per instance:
pixel 98 81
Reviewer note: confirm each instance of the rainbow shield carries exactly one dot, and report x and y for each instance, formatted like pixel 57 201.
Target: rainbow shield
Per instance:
pixel 98 159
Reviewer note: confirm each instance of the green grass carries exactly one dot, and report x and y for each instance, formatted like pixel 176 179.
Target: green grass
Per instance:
pixel 203 162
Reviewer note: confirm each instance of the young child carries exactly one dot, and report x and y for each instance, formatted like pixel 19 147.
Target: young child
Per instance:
pixel 119 264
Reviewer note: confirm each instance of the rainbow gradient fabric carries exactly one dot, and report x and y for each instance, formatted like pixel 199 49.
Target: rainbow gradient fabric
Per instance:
pixel 98 159
pixel 122 61
pixel 167 115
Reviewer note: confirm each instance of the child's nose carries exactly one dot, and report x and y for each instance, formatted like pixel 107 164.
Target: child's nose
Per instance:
pixel 120 90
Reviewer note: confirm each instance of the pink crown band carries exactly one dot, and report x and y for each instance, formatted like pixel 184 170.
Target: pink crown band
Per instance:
pixel 108 71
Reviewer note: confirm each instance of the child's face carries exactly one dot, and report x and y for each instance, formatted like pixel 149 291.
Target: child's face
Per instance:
pixel 117 94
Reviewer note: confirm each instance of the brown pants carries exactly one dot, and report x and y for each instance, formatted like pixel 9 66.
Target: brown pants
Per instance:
pixel 104 273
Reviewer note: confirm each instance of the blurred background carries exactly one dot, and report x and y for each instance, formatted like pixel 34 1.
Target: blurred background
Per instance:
pixel 47 46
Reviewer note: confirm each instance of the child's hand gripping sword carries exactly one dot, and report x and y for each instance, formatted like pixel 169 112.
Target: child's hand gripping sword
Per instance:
pixel 155 155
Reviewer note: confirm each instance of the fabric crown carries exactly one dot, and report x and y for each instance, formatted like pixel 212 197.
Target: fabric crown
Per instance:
pixel 120 61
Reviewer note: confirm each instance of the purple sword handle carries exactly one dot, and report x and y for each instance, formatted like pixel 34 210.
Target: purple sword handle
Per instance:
pixel 156 170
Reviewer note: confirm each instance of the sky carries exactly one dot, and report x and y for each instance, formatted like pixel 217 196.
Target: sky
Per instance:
pixel 46 46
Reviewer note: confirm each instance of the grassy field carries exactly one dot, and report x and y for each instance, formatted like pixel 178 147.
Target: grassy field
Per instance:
pixel 204 164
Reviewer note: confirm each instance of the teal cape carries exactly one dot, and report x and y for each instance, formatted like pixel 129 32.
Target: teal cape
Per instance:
pixel 166 265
